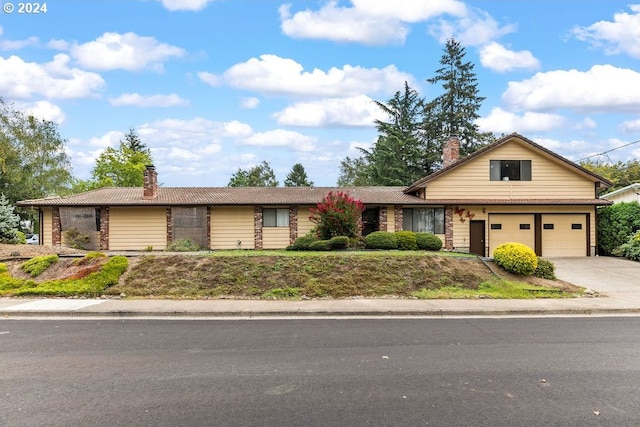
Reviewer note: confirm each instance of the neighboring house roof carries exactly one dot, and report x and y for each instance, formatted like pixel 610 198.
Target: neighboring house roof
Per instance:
pixel 632 188
pixel 421 183
pixel 575 202
pixel 198 196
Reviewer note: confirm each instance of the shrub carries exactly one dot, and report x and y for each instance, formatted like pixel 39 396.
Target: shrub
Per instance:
pixel 339 242
pixel 303 243
pixel 35 266
pixel 183 245
pixel 406 240
pixel 516 258
pixel 428 242
pixel 631 249
pixel 9 223
pixel 337 215
pixel 545 269
pixel 320 245
pixel 616 224
pixel 74 239
pixel 381 240
pixel 357 242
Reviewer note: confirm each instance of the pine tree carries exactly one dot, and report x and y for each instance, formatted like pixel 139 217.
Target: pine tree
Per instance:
pixel 9 222
pixel 297 177
pixel 454 112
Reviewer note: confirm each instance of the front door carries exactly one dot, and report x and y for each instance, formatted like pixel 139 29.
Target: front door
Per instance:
pixel 370 221
pixel 476 238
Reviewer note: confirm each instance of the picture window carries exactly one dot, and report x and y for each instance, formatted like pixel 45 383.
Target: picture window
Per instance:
pixel 275 217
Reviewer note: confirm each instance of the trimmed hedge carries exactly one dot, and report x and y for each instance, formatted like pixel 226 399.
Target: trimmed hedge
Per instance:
pixel 303 243
pixel 381 240
pixel 516 258
pixel 320 245
pixel 406 240
pixel 339 242
pixel 428 242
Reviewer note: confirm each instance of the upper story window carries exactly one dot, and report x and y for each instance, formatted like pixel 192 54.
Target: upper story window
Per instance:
pixel 275 217
pixel 510 170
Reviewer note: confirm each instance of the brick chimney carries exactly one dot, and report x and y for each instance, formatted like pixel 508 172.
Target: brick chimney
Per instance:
pixel 451 151
pixel 150 191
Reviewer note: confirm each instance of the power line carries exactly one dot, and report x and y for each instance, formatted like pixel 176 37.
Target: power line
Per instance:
pixel 608 151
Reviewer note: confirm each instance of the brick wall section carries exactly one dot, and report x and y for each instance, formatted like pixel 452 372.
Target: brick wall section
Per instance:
pixel 397 213
pixel 448 228
pixel 104 228
pixel 257 227
pixel 293 224
pixel 382 218
pixel 150 183
pixel 56 227
pixel 169 226
pixel 451 151
pixel 209 228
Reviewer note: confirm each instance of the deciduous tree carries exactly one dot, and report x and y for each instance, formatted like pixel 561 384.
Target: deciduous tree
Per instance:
pixel 258 176
pixel 337 215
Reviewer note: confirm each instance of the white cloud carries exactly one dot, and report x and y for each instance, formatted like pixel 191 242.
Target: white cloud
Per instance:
pixel 619 36
pixel 476 28
pixel 602 88
pixel 237 129
pixel 273 75
pixel 192 5
pixel 630 126
pixel 281 138
pixel 18 44
pixel 498 58
pixel 249 103
pixel 371 22
pixel 501 121
pixel 587 123
pixel 137 100
pixel 52 80
pixel 128 51
pixel 357 111
pixel 44 110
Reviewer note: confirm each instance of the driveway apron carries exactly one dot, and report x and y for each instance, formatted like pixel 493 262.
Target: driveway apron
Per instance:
pixel 605 275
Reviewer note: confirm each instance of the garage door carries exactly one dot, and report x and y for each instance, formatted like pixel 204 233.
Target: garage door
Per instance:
pixel 505 228
pixel 564 235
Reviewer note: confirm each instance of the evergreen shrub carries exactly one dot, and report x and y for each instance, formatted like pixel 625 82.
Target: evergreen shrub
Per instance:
pixel 303 243
pixel 428 242
pixel 406 240
pixel 320 245
pixel 545 269
pixel 631 249
pixel 381 240
pixel 339 242
pixel 516 258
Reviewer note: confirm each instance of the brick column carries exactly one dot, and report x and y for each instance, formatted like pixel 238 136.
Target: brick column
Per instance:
pixel 257 227
pixel 397 215
pixel 169 226
pixel 448 228
pixel 293 224
pixel 382 218
pixel 104 228
pixel 209 228
pixel 56 227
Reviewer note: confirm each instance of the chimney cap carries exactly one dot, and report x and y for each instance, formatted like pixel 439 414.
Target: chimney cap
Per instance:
pixel 150 167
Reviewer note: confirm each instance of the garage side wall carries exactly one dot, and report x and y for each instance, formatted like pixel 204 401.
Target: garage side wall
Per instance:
pixel 232 227
pixel 137 228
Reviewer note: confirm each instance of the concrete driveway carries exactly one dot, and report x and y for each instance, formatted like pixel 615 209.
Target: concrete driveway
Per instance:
pixel 606 275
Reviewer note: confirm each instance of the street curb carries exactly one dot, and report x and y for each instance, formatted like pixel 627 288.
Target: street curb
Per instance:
pixel 319 313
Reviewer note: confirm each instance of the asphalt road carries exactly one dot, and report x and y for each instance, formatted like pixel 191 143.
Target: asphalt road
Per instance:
pixel 379 372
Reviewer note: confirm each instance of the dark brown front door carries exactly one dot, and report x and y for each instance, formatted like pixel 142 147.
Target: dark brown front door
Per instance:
pixel 476 238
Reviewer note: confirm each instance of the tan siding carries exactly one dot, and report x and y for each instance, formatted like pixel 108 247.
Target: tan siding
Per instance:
pixel 47 227
pixel 137 228
pixel 230 224
pixel 391 218
pixel 550 179
pixel 275 237
pixel 304 225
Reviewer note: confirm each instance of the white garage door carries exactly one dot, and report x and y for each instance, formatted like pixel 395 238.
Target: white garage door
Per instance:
pixel 564 235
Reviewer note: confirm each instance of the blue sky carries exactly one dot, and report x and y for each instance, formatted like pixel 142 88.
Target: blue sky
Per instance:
pixel 216 85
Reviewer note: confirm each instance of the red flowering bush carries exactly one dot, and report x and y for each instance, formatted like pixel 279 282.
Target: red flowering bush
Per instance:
pixel 337 215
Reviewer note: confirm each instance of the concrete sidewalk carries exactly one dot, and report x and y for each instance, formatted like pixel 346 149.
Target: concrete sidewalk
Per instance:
pixel 616 281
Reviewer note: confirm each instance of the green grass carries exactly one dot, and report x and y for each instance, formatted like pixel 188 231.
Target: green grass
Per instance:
pixel 495 289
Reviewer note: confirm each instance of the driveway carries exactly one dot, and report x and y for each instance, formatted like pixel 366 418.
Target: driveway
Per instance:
pixel 606 275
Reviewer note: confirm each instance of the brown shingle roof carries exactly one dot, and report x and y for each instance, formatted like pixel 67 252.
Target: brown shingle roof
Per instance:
pixel 181 196
pixel 423 181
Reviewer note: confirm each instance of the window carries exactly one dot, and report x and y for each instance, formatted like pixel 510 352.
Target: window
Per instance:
pixel 275 217
pixel 510 170
pixel 525 226
pixel 548 226
pixel 420 220
pixel 576 226
pixel 496 226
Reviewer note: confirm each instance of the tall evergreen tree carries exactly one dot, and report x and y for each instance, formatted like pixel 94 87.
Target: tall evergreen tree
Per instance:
pixel 297 177
pixel 454 111
pixel 354 172
pixel 258 176
pixel 133 142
